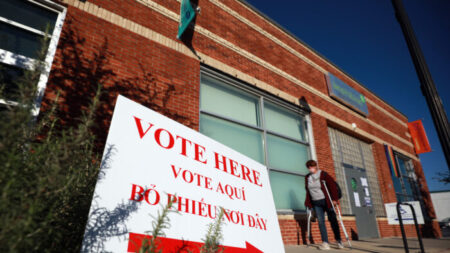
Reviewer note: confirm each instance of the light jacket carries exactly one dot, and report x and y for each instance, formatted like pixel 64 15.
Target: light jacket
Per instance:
pixel 332 188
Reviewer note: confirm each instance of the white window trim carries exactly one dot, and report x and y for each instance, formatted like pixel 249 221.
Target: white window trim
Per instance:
pixel 312 145
pixel 23 27
pixel 24 62
pixel 17 60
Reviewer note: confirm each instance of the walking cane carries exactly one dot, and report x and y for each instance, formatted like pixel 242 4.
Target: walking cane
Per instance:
pixel 308 226
pixel 339 213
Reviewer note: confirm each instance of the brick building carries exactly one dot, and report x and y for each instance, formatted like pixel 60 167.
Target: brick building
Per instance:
pixel 238 77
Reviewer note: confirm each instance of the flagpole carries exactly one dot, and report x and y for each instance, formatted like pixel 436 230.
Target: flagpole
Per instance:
pixel 427 85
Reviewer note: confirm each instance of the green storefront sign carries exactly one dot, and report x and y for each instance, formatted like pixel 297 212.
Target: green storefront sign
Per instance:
pixel 346 94
pixel 187 14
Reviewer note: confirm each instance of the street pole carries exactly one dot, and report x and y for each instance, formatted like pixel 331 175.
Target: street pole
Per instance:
pixel 427 85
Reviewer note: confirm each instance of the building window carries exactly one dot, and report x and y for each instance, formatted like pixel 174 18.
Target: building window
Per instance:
pixel 23 26
pixel 264 128
pixel 350 152
pixel 405 185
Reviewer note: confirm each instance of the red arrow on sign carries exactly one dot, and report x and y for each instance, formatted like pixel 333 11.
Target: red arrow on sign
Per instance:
pixel 248 249
pixel 181 246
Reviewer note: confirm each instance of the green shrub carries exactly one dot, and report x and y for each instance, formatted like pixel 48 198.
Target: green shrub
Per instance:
pixel 48 172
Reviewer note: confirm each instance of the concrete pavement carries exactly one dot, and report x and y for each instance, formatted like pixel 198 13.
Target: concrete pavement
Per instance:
pixel 394 245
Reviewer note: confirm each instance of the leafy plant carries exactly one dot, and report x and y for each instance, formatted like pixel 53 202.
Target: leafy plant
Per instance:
pixel 161 222
pixel 214 235
pixel 48 171
pixel 50 164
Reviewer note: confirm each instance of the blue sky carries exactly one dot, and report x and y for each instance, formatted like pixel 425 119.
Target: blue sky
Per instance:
pixel 364 39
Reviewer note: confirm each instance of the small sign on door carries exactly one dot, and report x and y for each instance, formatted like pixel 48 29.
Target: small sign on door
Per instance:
pixel 364 181
pixel 357 201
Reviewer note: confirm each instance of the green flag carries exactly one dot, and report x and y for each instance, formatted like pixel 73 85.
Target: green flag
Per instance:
pixel 187 14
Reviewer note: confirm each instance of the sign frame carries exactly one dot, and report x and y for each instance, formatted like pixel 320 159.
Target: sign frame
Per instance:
pixel 391 213
pixel 155 159
pixel 337 90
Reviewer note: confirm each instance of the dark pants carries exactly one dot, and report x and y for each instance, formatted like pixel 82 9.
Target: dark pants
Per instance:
pixel 320 206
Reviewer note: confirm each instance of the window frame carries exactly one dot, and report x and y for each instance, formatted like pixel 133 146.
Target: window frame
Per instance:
pixel 411 180
pixel 24 62
pixel 263 97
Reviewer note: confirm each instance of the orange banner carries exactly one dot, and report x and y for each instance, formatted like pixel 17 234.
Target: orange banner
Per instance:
pixel 419 137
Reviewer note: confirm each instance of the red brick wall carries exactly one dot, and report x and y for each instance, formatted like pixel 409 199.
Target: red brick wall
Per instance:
pixel 387 230
pixel 92 51
pixel 226 26
pixel 322 144
pixel 261 22
pixel 294 231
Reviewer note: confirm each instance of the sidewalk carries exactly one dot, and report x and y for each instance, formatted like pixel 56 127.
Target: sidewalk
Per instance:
pixel 394 245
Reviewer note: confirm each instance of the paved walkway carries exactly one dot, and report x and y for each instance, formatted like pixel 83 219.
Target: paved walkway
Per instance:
pixel 394 245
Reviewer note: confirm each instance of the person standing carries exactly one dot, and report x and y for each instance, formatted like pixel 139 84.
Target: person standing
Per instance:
pixel 317 199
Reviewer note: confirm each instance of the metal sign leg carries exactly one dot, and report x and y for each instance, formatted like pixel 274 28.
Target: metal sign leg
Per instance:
pixel 400 221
